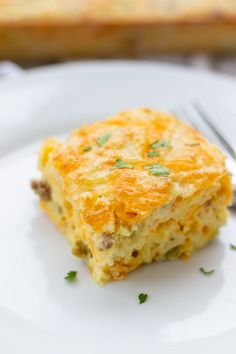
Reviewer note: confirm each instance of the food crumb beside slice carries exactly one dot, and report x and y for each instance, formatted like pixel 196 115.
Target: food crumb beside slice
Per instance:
pixel 71 276
pixel 138 187
pixel 206 272
pixel 142 298
pixel 233 247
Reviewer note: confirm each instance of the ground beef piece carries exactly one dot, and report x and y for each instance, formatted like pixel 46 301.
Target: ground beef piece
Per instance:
pixel 42 189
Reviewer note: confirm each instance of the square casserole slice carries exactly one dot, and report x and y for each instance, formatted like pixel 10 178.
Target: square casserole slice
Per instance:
pixel 137 187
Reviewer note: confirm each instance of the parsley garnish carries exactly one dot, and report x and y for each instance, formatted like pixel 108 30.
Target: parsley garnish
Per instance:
pixel 59 209
pixel 233 247
pixel 193 144
pixel 153 153
pixel 71 276
pixel 160 143
pixel 87 148
pixel 122 164
pixel 205 272
pixel 142 298
pixel 103 139
pixel 157 169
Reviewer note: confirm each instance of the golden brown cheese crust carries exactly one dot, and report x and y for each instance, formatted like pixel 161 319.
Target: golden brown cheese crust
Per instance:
pixel 130 194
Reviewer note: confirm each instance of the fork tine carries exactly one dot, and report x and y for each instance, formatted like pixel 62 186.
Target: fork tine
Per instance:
pixel 208 120
pixel 181 113
pixel 194 118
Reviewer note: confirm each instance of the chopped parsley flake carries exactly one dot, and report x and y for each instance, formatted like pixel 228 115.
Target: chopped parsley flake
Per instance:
pixel 103 139
pixel 160 143
pixel 233 247
pixel 157 169
pixel 59 209
pixel 153 153
pixel 122 164
pixel 71 276
pixel 87 148
pixel 193 144
pixel 142 298
pixel 205 272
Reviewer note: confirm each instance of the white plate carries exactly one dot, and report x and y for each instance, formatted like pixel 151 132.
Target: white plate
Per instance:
pixel 186 312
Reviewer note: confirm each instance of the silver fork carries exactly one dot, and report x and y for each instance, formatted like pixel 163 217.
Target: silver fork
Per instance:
pixel 200 119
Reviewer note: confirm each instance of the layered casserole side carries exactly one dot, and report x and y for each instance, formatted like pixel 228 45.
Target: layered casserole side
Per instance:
pixel 51 30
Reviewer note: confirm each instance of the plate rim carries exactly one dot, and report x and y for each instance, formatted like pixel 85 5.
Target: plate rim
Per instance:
pixel 110 65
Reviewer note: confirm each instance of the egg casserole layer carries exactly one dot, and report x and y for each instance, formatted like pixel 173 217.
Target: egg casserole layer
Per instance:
pixel 138 187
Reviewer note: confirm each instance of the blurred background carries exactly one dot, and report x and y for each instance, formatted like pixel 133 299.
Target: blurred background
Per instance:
pixel 198 33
